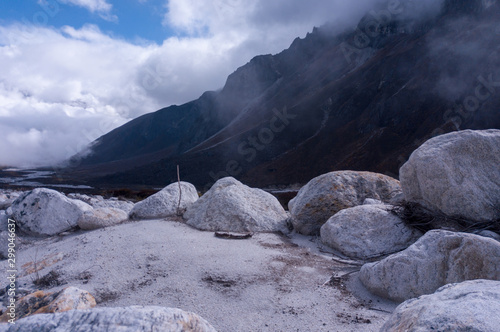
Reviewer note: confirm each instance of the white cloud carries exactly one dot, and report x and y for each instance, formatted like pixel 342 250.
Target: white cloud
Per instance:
pixel 91 5
pixel 62 88
pixel 101 7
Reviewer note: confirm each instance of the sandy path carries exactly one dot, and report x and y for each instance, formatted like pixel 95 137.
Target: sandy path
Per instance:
pixel 265 283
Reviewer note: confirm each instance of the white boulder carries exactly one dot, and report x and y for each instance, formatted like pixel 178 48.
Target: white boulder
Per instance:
pixel 436 259
pixel 456 174
pixel 467 306
pixel 46 212
pixel 329 193
pixel 128 319
pixel 101 217
pixel 165 202
pixel 234 207
pixel 367 231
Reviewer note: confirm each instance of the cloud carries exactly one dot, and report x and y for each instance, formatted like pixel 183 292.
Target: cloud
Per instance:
pixel 60 89
pixel 101 7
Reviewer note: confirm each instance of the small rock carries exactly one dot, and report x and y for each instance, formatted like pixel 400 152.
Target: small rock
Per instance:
pixel 371 201
pixel 4 249
pixel 98 201
pixel 4 221
pixel 129 319
pixel 436 259
pixel 490 234
pixel 367 231
pixel 7 198
pixel 41 302
pixel 329 193
pixel 101 217
pixel 165 202
pixel 230 206
pixel 46 212
pixel 84 198
pixel 467 306
pixel 456 174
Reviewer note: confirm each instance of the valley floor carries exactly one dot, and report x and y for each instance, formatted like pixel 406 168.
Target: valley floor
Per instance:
pixel 266 283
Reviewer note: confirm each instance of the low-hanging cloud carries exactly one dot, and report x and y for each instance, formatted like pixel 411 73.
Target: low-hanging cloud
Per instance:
pixel 60 89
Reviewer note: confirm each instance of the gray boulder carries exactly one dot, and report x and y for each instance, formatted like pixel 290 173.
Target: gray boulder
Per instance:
pixel 367 231
pixel 46 212
pixel 329 193
pixel 467 306
pixel 456 174
pixel 436 259
pixel 101 217
pixel 165 202
pixel 234 207
pixel 129 319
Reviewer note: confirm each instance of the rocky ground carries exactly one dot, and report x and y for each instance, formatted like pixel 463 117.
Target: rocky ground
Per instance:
pixel 265 283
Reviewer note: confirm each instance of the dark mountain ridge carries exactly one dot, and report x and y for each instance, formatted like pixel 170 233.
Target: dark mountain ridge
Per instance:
pixel 359 100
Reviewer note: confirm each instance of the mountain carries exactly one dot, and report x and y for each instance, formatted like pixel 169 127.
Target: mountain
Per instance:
pixel 359 99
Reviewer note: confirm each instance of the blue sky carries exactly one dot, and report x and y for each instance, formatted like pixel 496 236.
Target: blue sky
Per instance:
pixel 72 70
pixel 129 19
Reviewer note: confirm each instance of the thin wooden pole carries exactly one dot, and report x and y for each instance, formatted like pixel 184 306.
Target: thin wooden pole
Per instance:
pixel 179 213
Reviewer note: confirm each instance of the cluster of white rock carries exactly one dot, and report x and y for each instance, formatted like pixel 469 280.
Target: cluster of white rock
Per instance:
pixel 457 174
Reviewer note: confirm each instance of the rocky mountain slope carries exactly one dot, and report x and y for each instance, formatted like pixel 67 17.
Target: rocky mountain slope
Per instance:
pixel 360 99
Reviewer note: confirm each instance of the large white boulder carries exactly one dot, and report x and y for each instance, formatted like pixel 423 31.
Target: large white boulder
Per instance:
pixel 367 231
pixel 329 193
pixel 467 306
pixel 128 319
pixel 165 202
pixel 436 259
pixel 101 217
pixel 234 207
pixel 457 174
pixel 46 212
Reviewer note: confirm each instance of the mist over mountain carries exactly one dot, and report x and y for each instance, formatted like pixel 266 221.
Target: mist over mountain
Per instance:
pixel 361 99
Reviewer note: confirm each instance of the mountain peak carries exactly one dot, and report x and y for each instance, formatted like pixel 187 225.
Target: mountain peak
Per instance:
pixel 285 118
